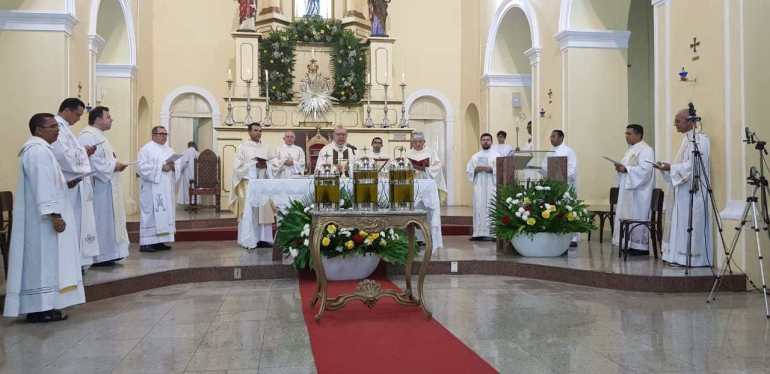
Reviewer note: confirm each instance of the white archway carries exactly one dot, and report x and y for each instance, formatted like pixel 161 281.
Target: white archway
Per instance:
pixel 128 17
pixel 165 109
pixel 502 11
pixel 449 131
pixel 565 12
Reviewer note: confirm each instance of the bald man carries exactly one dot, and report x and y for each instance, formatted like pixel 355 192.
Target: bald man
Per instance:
pixel 289 159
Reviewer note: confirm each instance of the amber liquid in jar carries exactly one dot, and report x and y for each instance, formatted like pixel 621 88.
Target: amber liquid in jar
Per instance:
pixel 401 186
pixel 365 187
pixel 327 190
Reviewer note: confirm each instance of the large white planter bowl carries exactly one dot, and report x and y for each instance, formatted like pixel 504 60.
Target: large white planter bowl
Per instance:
pixel 350 267
pixel 542 244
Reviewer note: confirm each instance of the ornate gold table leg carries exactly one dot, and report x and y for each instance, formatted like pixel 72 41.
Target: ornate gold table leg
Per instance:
pixel 424 267
pixel 409 259
pixel 320 273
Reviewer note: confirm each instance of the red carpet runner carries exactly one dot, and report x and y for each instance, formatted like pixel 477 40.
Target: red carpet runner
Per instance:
pixel 390 338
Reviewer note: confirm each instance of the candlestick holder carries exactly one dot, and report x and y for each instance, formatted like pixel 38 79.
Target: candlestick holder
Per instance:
pixel 369 122
pixel 229 120
pixel 268 120
pixel 403 123
pixel 385 121
pixel 248 119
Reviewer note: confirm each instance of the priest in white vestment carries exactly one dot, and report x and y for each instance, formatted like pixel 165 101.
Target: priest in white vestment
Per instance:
pixel 73 160
pixel 481 172
pixel 252 158
pixel 427 164
pixel 108 199
pixel 562 150
pixel 636 180
pixel 501 147
pixel 679 174
pixel 338 153
pixel 186 173
pixel 381 159
pixel 44 265
pixel 289 159
pixel 156 169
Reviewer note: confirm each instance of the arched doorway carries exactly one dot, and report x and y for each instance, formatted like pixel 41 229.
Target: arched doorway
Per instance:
pixel 430 112
pixel 470 144
pixel 511 69
pixel 190 113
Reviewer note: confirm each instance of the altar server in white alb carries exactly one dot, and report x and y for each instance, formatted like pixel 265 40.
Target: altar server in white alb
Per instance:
pixel 255 225
pixel 73 160
pixel 44 266
pixel 481 172
pixel 186 173
pixel 289 159
pixel 501 147
pixel 636 180
pixel 427 164
pixel 679 175
pixel 156 168
pixel 108 198
pixel 562 150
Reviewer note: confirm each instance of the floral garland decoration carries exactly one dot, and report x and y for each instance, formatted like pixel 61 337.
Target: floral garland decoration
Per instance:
pixel 276 54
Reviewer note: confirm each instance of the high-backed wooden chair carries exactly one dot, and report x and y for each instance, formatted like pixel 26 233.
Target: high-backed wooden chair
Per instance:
pixel 6 224
pixel 313 148
pixel 606 215
pixel 206 179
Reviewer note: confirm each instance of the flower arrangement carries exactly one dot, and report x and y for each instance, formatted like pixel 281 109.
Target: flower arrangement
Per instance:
pixel 293 236
pixel 276 54
pixel 543 207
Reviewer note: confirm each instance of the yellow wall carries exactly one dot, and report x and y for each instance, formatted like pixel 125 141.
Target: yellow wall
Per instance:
pixel 32 5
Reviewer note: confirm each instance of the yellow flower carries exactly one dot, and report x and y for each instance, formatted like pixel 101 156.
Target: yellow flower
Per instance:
pixel 531 221
pixel 375 236
pixel 546 214
pixel 331 229
pixel 571 216
pixel 383 242
pixel 527 200
pixel 363 233
pixel 552 208
pixel 349 244
pixel 325 242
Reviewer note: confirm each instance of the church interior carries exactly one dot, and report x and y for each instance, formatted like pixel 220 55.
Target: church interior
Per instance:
pixel 246 289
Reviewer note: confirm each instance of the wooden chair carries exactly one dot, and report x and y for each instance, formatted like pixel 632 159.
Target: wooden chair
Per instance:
pixel 6 225
pixel 654 224
pixel 206 179
pixel 606 214
pixel 313 148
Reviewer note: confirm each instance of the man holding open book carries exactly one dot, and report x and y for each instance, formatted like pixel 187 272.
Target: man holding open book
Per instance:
pixel 427 164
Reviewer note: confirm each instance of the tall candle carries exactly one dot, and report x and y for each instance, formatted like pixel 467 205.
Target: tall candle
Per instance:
pixel 313 52
pixel 229 74
pixel 248 75
pixel 267 87
pixel 403 77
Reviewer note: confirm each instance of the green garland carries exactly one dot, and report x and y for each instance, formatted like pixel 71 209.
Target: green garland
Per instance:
pixel 276 54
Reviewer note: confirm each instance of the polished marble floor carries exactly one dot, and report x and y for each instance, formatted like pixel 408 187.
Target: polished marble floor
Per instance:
pixel 517 325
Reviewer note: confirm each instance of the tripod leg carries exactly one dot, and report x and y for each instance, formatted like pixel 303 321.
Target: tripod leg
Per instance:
pixel 718 281
pixel 759 256
pixel 717 218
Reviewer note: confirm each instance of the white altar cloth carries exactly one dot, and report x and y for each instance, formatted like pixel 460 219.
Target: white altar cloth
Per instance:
pixel 282 191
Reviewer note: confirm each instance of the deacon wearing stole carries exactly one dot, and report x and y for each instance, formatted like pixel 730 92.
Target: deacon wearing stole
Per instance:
pixel 108 199
pixel 73 160
pixel 289 159
pixel 44 265
pixel 427 164
pixel 481 172
pixel 255 225
pixel 157 219
pixel 679 175
pixel 636 180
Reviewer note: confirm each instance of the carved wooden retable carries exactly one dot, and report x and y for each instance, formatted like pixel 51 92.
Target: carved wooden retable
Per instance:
pixel 369 291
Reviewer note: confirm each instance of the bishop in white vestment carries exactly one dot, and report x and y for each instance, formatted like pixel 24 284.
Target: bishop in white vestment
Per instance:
pixel 636 180
pixel 44 265
pixel 186 173
pixel 338 153
pixel 562 150
pixel 679 175
pixel 156 169
pixel 434 170
pixel 481 172
pixel 252 158
pixel 108 199
pixel 289 159
pixel 73 160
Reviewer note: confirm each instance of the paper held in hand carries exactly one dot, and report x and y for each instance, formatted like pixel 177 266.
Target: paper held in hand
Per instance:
pixel 81 176
pixel 173 158
pixel 132 162
pixel 612 161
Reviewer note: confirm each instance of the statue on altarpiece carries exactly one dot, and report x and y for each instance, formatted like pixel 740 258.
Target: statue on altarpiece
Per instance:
pixel 378 14
pixel 247 9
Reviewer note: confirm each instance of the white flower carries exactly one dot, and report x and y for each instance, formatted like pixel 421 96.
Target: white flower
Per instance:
pixel 293 252
pixel 307 209
pixel 509 200
pixel 382 233
pixel 306 243
pixel 517 214
pixel 516 201
pixel 312 206
pixel 519 194
pixel 569 208
pixel 547 188
pixel 338 249
pixel 539 188
pixel 567 195
pixel 383 242
pixel 521 210
pixel 342 202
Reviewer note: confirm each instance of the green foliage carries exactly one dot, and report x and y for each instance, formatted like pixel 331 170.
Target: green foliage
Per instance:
pixel 293 236
pixel 276 54
pixel 546 206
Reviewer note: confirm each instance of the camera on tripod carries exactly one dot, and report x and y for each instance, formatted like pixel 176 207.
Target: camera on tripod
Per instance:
pixel 751 138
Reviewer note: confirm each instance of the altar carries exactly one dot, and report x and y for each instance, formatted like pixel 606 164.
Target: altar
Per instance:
pixel 281 192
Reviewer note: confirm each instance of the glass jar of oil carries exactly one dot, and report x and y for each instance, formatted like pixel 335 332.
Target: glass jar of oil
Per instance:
pixel 327 187
pixel 365 183
pixel 401 181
